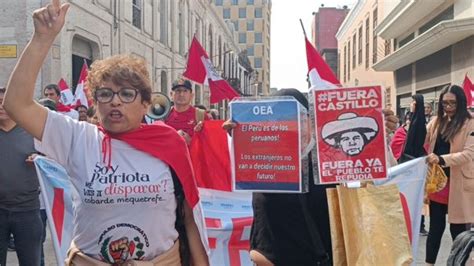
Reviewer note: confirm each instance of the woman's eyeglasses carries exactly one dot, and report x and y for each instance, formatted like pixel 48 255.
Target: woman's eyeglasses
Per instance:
pixel 106 95
pixel 446 104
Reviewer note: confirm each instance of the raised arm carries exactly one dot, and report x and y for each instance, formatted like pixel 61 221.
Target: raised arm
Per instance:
pixel 18 101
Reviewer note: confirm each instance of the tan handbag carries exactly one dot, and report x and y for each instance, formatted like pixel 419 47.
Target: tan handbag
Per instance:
pixel 436 179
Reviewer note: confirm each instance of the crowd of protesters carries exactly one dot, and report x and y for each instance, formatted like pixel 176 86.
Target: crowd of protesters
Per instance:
pixel 288 229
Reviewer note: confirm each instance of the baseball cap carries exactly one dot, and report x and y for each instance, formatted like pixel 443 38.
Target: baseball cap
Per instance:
pixel 182 83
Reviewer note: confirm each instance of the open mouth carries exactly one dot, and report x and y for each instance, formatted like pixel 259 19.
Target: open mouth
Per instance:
pixel 115 115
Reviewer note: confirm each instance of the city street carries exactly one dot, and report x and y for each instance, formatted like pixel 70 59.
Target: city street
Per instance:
pixel 442 257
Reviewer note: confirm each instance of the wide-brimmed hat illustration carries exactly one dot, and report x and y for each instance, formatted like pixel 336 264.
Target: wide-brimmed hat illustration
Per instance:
pixel 349 122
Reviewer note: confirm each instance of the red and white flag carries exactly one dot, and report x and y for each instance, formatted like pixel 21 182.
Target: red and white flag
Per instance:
pixel 319 73
pixel 410 179
pixel 67 98
pixel 81 96
pixel 200 69
pixel 56 194
pixel 469 91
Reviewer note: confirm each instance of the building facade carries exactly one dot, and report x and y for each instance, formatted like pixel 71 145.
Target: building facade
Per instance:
pixel 359 49
pixel 158 31
pixel 428 47
pixel 251 20
pixel 324 27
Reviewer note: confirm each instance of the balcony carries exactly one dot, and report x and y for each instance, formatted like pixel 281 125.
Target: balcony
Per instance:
pixel 406 14
pixel 438 37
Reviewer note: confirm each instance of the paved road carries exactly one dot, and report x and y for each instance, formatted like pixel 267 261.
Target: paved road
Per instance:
pixel 442 256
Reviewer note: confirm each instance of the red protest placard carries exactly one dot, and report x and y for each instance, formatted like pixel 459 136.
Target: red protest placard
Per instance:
pixel 350 134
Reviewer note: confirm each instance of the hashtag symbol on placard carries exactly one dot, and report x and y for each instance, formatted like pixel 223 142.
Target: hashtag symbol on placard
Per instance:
pixel 322 97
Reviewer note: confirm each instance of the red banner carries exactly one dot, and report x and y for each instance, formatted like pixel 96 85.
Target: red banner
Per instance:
pixel 350 134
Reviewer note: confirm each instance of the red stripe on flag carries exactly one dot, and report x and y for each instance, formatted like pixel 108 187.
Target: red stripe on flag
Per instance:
pixel 58 212
pixel 406 213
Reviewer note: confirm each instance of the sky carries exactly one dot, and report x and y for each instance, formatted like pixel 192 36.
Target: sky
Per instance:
pixel 288 65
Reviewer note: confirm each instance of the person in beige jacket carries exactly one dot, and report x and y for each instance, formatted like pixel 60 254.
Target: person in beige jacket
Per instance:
pixel 451 145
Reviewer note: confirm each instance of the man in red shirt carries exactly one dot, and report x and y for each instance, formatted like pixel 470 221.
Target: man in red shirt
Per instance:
pixel 183 117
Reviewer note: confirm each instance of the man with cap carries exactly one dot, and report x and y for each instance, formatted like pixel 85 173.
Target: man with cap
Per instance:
pixel 350 133
pixel 184 117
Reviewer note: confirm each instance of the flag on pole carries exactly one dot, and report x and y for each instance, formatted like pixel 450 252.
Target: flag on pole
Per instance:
pixel 82 96
pixel 319 73
pixel 469 91
pixel 410 179
pixel 56 194
pixel 199 69
pixel 67 98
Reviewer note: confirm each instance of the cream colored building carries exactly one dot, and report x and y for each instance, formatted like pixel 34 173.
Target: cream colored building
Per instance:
pixel 359 48
pixel 160 31
pixel 251 20
pixel 433 46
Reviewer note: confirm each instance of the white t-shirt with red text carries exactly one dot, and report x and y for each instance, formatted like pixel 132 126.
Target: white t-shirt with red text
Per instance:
pixel 124 212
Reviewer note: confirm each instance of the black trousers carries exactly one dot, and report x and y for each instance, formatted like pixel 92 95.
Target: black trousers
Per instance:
pixel 438 213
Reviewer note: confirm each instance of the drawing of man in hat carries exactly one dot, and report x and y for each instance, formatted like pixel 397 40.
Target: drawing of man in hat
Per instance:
pixel 350 133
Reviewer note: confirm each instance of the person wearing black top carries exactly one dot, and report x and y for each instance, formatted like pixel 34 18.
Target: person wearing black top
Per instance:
pixel 293 229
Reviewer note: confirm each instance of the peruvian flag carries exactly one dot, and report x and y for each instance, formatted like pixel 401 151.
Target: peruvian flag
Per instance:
pixel 67 98
pixel 469 91
pixel 82 94
pixel 200 69
pixel 56 194
pixel 319 73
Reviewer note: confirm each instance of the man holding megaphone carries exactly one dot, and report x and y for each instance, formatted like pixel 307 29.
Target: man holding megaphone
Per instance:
pixel 184 117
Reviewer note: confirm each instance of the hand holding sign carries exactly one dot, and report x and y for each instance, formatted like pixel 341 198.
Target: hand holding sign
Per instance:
pixel 49 20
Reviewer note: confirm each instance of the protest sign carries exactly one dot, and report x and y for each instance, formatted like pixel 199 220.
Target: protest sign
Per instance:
pixel 229 218
pixel 269 145
pixel 350 134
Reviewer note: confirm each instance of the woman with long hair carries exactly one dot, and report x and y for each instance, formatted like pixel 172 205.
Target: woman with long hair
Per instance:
pixel 451 145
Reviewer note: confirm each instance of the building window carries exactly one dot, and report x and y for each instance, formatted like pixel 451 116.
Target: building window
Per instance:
pixel 388 47
pixel 367 38
pixel 219 2
pixel 250 51
pixel 197 94
pixel 374 37
pixel 242 37
pixel 242 12
pixel 406 40
pixel 258 37
pixel 250 25
pixel 164 22
pixel 348 60
pixel 354 50
pixel 360 45
pixel 226 13
pixel 258 62
pixel 164 83
pixel 445 15
pixel 345 62
pixel 235 2
pixel 258 12
pixel 181 32
pixel 236 24
pixel 250 2
pixel 137 13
